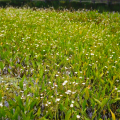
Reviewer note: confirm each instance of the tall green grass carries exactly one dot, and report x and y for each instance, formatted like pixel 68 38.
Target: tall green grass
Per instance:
pixel 66 64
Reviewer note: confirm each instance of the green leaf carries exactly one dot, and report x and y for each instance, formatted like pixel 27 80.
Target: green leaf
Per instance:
pixel 19 102
pixel 77 105
pixel 84 105
pixel 66 101
pixel 98 101
pixel 32 104
pixel 116 99
pixel 17 111
pixel 104 102
pixel 21 83
pixel 94 114
pixel 68 114
pixel 43 86
pixel 38 112
pixel 30 115
pixel 43 118
pixel 41 73
pixel 86 93
pixel 74 117
pixel 27 118
pixel 1 65
pixel 62 107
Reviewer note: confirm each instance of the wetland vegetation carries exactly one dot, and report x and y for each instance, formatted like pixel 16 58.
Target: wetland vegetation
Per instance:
pixel 59 65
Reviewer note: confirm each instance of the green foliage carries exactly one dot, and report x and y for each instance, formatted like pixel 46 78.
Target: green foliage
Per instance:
pixel 59 64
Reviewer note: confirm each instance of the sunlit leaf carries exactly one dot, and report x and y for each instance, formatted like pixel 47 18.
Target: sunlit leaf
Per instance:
pixel 113 115
pixel 98 101
pixel 86 93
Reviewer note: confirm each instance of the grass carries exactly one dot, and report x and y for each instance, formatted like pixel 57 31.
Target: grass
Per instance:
pixel 59 64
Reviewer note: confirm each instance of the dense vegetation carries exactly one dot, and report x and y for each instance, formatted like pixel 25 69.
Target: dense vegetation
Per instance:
pixel 107 5
pixel 59 64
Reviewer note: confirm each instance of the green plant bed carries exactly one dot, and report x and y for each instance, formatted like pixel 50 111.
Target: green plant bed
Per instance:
pixel 59 65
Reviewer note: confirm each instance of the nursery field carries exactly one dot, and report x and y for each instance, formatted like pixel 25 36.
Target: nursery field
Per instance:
pixel 59 65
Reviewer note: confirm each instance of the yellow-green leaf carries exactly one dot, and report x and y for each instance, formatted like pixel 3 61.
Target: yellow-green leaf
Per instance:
pixel 113 115
pixel 86 93
pixel 98 101
pixel 36 80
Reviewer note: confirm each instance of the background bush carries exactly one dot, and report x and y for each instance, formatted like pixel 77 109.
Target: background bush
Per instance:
pixel 101 7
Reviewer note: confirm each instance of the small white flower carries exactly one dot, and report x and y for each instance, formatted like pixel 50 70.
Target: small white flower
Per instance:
pixel 49 103
pixel 118 91
pixel 73 92
pixel 78 116
pixel 49 82
pixel 57 99
pixel 113 66
pixel 90 65
pixel 64 83
pixel 67 59
pixel 68 92
pixel 80 77
pixel 72 101
pixel 1 104
pixel 73 82
pixel 71 105
pixel 83 83
pixel 46 104
pixel 7 88
pixel 76 72
pixel 56 75
pixel 116 88
pixel 92 53
pixel 55 85
pixel 22 97
pixel 117 80
pixel 21 91
pixel 28 95
pixel 66 68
